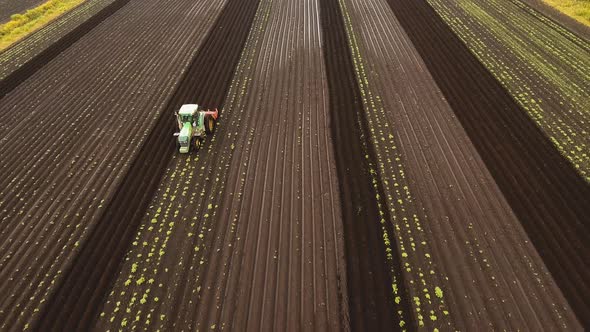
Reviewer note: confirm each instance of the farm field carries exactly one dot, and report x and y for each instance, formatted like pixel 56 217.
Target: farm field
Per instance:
pixel 549 82
pixel 290 242
pixel 540 63
pixel 430 160
pixel 68 188
pixel 377 165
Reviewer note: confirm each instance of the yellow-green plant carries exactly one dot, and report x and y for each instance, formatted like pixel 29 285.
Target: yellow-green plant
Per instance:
pixel 21 25
pixel 579 10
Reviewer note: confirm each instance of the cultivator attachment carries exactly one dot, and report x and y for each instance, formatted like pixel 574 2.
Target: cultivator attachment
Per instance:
pixel 214 113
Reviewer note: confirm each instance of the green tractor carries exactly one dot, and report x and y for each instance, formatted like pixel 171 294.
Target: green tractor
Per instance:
pixel 194 124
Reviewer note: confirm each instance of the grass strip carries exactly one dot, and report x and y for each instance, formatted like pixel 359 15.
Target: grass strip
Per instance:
pixel 579 10
pixel 21 25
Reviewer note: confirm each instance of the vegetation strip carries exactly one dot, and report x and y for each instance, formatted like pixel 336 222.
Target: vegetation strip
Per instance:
pixel 577 9
pixel 21 25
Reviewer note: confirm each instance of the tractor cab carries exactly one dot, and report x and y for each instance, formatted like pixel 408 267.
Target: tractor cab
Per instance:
pixel 188 113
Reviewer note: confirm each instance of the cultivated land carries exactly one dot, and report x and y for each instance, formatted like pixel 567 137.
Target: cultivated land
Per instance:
pixel 567 21
pixel 69 188
pixel 447 190
pixel 379 164
pixel 549 82
pixel 270 164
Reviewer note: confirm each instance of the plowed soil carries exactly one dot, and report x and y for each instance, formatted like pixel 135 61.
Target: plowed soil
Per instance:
pixel 207 79
pixel 453 192
pixel 256 242
pixel 369 283
pixel 70 179
pixel 367 173
pixel 23 59
pixel 538 182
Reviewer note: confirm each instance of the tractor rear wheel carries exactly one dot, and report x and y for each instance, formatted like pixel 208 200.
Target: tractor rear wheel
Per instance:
pixel 197 143
pixel 210 124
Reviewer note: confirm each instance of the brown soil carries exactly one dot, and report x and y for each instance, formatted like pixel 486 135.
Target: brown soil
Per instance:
pixel 263 201
pixel 542 188
pixel 11 79
pixel 70 179
pixel 369 283
pixel 76 303
pixel 274 224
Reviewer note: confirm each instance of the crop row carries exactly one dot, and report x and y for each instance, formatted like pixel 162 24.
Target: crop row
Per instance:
pixel 235 248
pixel 71 170
pixel 542 65
pixel 475 244
pixel 388 172
pixel 482 169
pixel 185 207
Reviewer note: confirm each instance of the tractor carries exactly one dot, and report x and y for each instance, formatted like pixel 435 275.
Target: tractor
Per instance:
pixel 193 125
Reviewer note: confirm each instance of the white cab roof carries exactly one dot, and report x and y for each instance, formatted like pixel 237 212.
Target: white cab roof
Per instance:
pixel 188 109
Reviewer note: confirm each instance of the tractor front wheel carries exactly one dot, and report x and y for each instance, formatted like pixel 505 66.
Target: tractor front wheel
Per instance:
pixel 210 124
pixel 197 143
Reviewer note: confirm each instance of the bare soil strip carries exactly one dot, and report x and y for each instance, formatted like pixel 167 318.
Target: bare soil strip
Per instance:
pixel 542 188
pixel 369 283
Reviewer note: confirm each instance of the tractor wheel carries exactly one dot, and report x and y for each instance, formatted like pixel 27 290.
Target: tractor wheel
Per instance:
pixel 210 124
pixel 197 143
